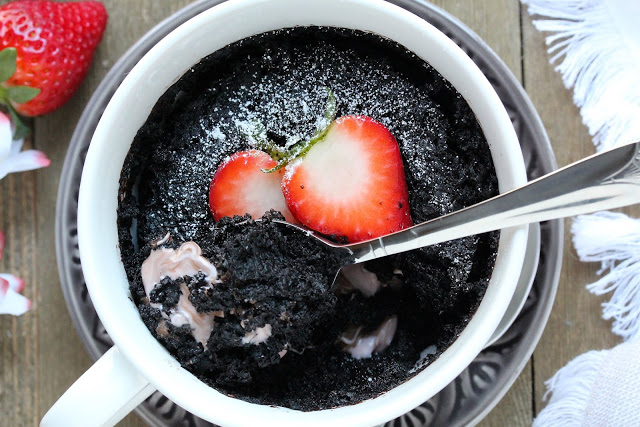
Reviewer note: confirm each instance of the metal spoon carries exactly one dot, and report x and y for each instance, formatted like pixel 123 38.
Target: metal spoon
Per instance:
pixel 606 180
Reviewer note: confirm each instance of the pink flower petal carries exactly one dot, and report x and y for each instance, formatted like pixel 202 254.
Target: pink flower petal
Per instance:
pixel 15 283
pixel 5 137
pixel 1 243
pixel 24 161
pixel 11 158
pixel 4 287
pixel 14 303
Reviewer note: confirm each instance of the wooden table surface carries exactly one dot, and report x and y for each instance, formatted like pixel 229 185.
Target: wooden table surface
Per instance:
pixel 42 354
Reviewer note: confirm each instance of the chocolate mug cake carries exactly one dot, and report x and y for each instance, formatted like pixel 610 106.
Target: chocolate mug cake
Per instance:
pixel 281 336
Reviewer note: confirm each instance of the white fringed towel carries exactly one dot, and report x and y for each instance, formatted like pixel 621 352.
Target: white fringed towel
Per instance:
pixel 598 388
pixel 613 239
pixel 596 45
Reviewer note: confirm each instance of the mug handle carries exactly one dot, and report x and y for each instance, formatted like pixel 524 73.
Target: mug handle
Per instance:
pixel 102 396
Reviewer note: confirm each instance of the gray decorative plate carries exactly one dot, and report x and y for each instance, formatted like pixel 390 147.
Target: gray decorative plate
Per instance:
pixel 479 388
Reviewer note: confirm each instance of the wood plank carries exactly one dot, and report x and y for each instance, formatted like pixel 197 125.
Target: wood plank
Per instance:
pixel 18 350
pixel 497 22
pixel 575 325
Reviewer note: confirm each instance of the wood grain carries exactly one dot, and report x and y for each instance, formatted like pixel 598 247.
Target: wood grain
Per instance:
pixel 19 352
pixel 41 354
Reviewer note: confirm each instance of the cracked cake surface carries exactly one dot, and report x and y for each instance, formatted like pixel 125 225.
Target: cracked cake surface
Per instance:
pixel 298 361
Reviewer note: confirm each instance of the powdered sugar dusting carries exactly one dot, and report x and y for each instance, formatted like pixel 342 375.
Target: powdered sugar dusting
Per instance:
pixel 214 135
pixel 283 85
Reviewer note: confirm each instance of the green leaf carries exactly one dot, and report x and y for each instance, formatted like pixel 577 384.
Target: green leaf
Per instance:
pixel 8 58
pixel 256 134
pixel 330 109
pixel 322 127
pixel 21 130
pixel 22 94
pixel 281 163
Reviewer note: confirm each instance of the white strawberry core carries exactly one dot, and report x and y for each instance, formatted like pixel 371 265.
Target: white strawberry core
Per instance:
pixel 333 163
pixel 263 190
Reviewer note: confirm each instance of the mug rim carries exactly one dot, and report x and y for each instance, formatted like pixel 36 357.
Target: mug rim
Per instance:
pixel 375 410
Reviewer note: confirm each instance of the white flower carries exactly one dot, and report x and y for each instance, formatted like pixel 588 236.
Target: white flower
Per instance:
pixel 11 301
pixel 14 160
pixel 11 158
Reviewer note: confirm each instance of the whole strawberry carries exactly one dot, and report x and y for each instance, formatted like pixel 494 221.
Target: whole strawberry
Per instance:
pixel 54 44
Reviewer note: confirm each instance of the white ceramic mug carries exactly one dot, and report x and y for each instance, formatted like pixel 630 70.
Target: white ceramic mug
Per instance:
pixel 138 365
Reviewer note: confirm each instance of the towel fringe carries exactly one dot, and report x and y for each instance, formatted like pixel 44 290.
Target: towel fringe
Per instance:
pixel 571 388
pixel 594 59
pixel 613 239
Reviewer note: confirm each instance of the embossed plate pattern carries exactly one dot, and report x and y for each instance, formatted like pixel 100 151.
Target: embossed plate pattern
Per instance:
pixel 479 388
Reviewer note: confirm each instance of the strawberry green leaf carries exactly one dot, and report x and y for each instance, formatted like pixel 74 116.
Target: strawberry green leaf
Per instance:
pixel 282 163
pixel 21 130
pixel 6 101
pixel 8 58
pixel 254 132
pixel 330 108
pixel 22 94
pixel 322 127
pixel 256 135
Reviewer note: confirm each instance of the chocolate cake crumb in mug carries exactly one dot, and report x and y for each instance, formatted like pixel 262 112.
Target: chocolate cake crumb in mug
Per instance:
pixel 281 78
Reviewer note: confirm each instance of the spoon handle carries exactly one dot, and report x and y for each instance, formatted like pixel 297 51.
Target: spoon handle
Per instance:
pixel 607 180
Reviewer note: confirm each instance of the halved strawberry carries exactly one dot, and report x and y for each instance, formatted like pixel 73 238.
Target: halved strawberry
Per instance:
pixel 350 183
pixel 240 187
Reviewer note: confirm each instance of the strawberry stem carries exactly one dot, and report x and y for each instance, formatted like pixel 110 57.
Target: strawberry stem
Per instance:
pixel 302 147
pixel 256 134
pixel 21 129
